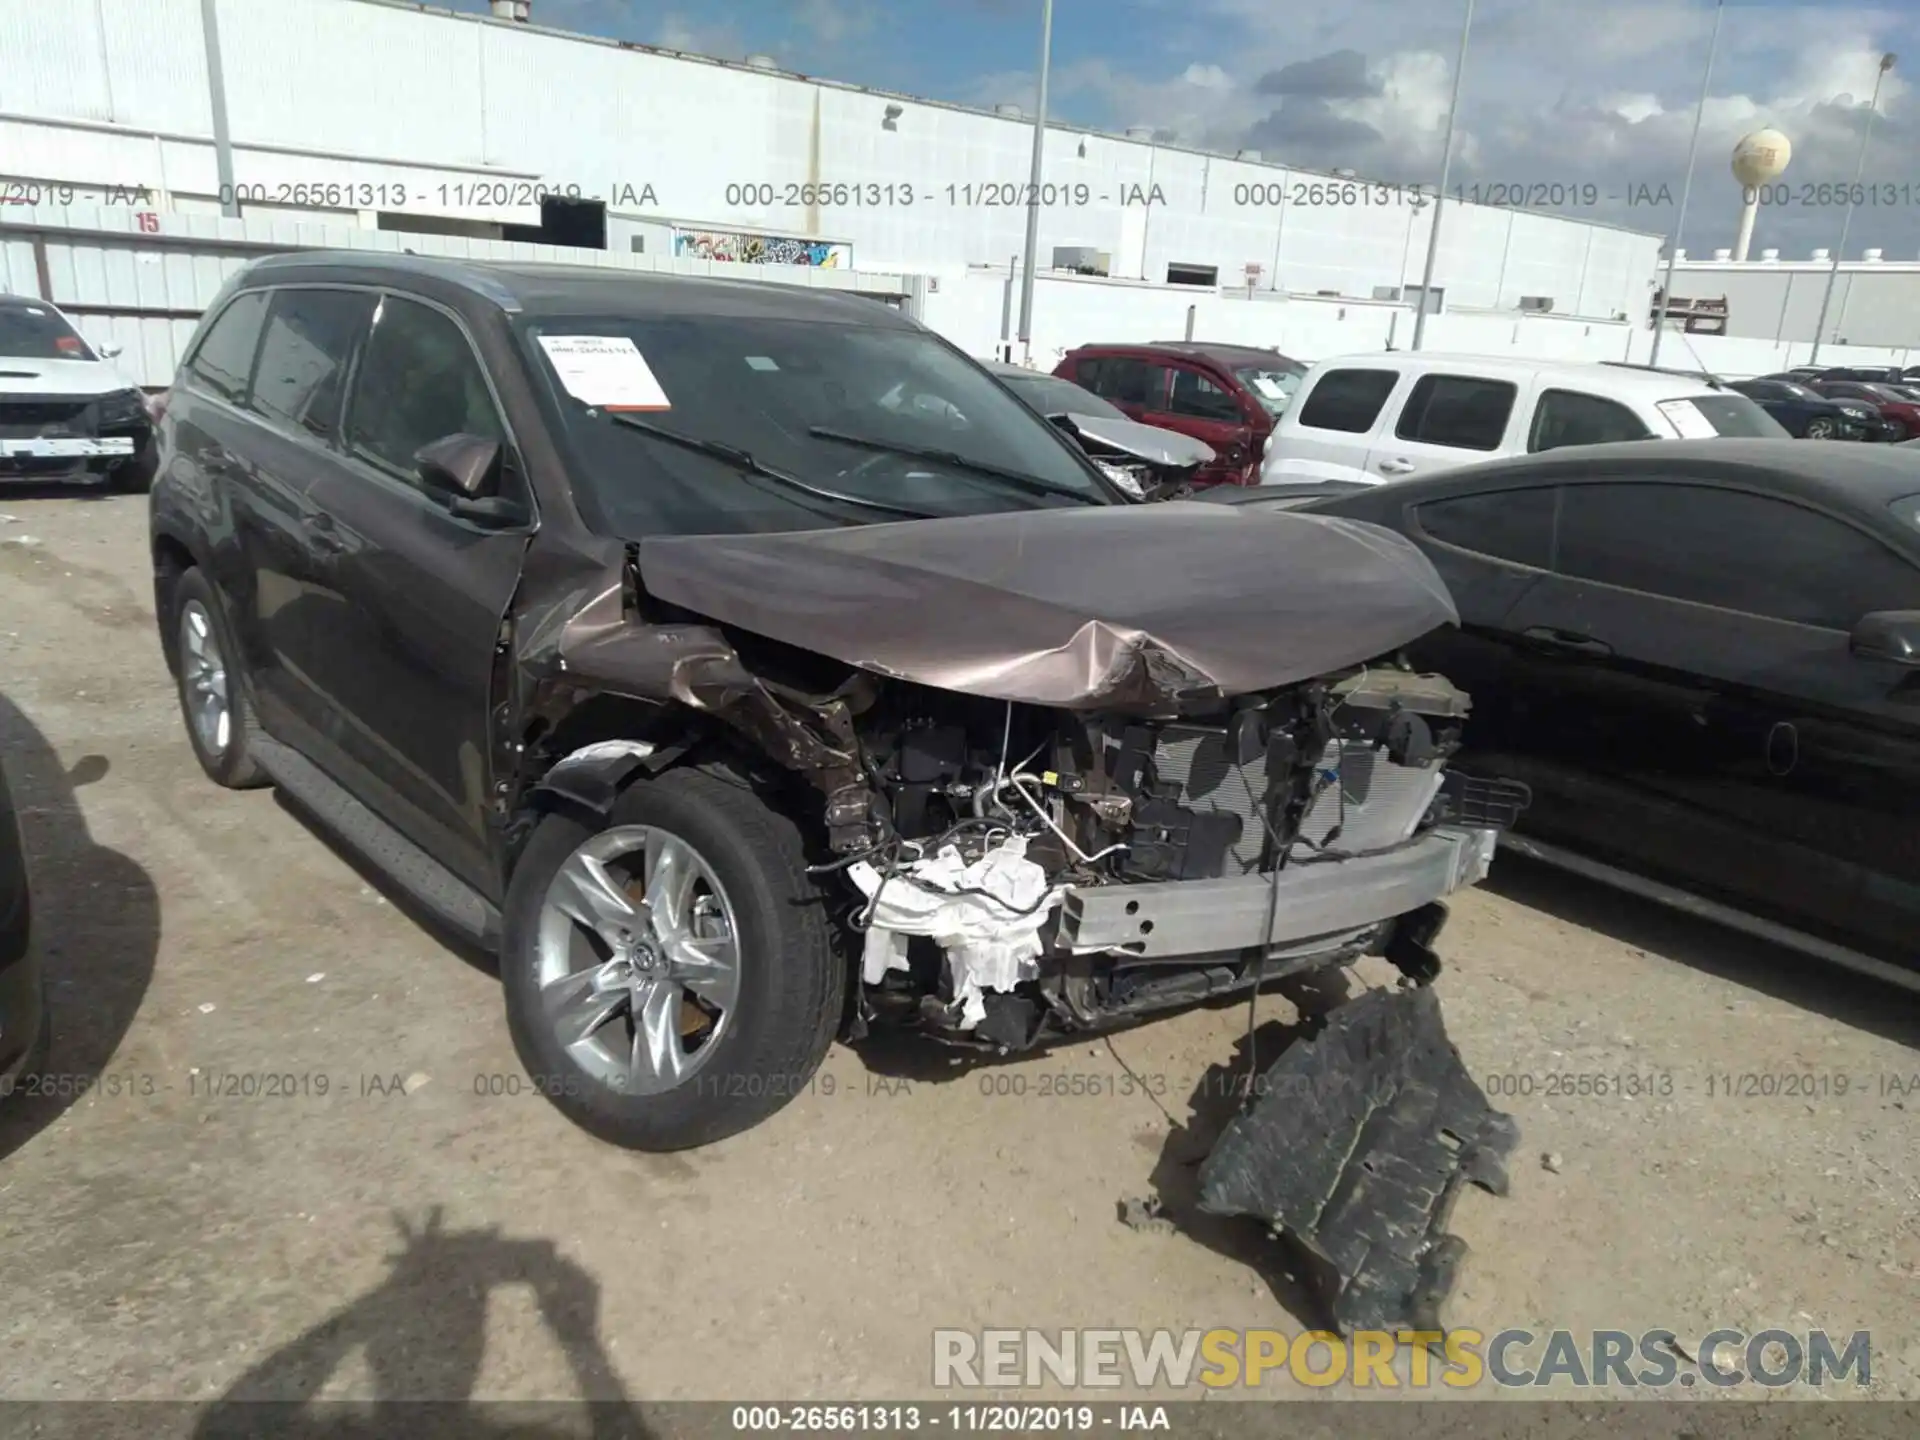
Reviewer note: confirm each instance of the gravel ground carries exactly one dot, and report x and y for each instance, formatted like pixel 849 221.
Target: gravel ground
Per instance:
pixel 422 1230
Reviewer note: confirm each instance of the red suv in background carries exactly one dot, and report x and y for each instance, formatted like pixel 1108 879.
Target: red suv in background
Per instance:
pixel 1229 396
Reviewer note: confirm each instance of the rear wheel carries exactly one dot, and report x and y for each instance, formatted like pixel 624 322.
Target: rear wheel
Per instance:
pixel 670 976
pixel 212 685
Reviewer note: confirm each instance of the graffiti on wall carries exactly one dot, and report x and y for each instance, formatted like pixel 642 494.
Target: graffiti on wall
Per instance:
pixel 761 249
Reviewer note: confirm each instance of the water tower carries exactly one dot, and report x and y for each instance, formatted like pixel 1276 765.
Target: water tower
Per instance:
pixel 1758 159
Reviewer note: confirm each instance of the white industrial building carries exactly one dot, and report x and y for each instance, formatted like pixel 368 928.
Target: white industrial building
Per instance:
pixel 369 122
pixel 372 114
pixel 1875 301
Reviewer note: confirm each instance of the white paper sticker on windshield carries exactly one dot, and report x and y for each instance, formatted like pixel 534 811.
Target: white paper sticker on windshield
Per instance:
pixel 1269 387
pixel 605 370
pixel 1688 420
pixel 761 362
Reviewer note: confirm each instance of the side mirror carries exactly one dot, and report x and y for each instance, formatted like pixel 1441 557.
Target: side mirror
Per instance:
pixel 109 350
pixel 1891 635
pixel 465 465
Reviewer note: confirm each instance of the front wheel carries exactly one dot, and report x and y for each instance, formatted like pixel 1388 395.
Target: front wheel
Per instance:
pixel 670 976
pixel 1819 428
pixel 212 685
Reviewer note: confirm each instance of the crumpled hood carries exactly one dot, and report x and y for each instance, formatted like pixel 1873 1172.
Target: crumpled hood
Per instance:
pixel 1146 442
pixel 1083 608
pixel 22 376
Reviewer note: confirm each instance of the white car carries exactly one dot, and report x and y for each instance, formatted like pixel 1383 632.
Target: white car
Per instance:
pixel 1391 415
pixel 66 412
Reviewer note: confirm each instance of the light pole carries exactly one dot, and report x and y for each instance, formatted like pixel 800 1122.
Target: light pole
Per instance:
pixel 1686 188
pixel 1859 170
pixel 1033 188
pixel 1446 169
pixel 217 102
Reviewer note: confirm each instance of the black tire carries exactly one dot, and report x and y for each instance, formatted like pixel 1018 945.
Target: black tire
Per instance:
pixel 1819 428
pixel 135 476
pixel 233 766
pixel 792 975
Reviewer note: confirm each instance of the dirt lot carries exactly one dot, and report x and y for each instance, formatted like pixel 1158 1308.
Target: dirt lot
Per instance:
pixel 420 1230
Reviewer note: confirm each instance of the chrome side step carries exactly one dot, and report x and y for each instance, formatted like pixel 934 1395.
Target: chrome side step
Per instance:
pixel 1712 910
pixel 450 899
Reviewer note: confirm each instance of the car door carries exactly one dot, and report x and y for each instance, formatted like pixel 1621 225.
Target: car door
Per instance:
pixel 417 592
pixel 1443 420
pixel 1701 714
pixel 264 467
pixel 1490 547
pixel 1199 405
pixel 1328 431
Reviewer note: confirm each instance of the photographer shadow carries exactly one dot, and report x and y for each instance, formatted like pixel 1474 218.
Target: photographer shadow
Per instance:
pixel 422 1333
pixel 95 920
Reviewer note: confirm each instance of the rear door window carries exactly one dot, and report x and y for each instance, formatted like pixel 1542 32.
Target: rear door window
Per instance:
pixel 1514 525
pixel 223 360
pixel 1463 412
pixel 311 335
pixel 1348 401
pixel 1572 417
pixel 1128 380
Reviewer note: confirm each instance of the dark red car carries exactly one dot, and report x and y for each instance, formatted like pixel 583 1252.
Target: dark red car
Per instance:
pixel 1898 404
pixel 1229 396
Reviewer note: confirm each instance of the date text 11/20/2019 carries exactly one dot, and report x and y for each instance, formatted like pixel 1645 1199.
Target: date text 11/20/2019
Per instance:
pixel 903 194
pixel 961 1419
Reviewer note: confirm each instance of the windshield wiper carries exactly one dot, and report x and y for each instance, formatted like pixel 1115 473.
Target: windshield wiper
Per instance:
pixel 742 461
pixel 1014 478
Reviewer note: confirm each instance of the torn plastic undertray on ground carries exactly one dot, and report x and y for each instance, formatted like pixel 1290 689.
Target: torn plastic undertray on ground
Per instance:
pixel 1355 1147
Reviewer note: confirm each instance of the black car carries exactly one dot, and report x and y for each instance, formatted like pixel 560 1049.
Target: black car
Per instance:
pixel 743 663
pixel 1704 658
pixel 23 1002
pixel 1146 461
pixel 1807 413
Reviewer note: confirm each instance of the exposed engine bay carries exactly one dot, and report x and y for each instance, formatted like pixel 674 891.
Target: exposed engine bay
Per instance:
pixel 994 830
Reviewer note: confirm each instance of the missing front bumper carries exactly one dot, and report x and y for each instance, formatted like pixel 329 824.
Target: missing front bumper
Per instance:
pixel 1355 1148
pixel 1170 919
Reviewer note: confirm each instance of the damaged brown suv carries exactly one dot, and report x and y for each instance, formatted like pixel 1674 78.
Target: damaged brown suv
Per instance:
pixel 748 666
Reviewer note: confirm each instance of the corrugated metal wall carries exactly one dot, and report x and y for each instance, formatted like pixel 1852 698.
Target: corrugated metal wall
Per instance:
pixel 380 97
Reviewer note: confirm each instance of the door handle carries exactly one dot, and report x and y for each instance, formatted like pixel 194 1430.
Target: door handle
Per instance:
pixel 322 531
pixel 1396 467
pixel 1570 640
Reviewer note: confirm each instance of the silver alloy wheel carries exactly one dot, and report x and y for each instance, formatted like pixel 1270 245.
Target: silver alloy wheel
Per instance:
pixel 203 678
pixel 638 961
pixel 1819 428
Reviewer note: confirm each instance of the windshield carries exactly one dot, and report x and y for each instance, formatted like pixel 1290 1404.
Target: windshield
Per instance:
pixel 1050 395
pixel 1795 390
pixel 1272 385
pixel 37 332
pixel 1894 393
pixel 759 388
pixel 1725 413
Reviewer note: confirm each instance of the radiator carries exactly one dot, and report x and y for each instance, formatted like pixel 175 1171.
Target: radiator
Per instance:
pixel 1375 803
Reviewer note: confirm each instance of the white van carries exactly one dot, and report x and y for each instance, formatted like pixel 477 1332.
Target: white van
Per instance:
pixel 1390 415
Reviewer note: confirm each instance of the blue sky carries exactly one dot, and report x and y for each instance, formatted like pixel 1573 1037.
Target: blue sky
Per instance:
pixel 1555 90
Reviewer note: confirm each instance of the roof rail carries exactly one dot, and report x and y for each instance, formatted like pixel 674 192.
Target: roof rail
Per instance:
pixel 1706 377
